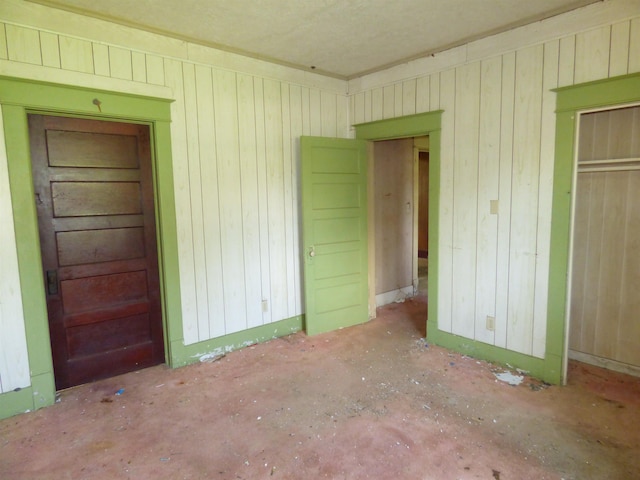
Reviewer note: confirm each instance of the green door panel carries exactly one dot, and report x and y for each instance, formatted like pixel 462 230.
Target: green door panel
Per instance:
pixel 334 232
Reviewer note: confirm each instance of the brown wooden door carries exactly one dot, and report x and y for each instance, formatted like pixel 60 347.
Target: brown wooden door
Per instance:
pixel 94 196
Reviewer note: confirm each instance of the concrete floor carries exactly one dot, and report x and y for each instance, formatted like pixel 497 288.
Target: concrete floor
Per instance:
pixel 372 401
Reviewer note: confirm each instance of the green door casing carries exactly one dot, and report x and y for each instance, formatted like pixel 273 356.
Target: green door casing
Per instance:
pixel 334 232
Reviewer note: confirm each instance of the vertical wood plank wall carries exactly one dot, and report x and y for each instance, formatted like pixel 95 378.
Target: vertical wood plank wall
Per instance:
pixel 235 128
pixel 14 364
pixel 235 151
pixel 498 130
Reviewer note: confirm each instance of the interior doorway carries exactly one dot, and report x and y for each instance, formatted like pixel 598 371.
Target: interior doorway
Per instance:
pixel 423 218
pixel 94 197
pixel 604 328
pixel 400 203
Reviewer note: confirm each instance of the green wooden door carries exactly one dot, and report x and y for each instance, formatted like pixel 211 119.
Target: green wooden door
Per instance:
pixel 334 232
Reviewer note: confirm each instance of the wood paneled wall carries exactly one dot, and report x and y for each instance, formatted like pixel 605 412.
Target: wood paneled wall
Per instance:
pixel 497 156
pixel 235 138
pixel 236 167
pixel 14 364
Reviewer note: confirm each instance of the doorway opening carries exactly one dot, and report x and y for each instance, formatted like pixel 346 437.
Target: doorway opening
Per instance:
pixel 400 218
pixel 604 328
pixel 94 196
pixel 423 217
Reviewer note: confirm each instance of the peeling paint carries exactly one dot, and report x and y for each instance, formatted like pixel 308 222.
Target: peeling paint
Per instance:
pixel 220 352
pixel 214 355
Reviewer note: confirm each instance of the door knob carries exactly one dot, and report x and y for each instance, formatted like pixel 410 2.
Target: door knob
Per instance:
pixel 312 251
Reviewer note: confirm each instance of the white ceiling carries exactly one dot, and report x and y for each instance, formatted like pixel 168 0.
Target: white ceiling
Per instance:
pixel 341 38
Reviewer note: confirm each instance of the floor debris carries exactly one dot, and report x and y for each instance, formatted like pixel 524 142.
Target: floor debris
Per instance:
pixel 319 419
pixel 509 378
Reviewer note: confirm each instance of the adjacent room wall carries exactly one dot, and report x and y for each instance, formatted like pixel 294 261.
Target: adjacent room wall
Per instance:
pixel 394 217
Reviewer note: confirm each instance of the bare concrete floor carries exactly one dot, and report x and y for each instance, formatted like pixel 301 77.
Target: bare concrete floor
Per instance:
pixel 373 401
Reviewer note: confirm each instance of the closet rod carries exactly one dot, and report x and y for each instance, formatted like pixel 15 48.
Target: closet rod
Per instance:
pixel 613 168
pixel 609 160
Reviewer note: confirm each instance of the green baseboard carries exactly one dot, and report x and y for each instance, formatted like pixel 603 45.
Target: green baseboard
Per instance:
pixel 547 369
pixel 41 393
pixel 15 402
pixel 182 355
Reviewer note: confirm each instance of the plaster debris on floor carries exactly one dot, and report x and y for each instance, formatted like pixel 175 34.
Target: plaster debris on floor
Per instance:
pixel 373 401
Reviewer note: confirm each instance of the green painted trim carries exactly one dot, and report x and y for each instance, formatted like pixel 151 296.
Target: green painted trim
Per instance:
pixel 167 236
pixel 44 390
pixel 57 98
pixel 20 97
pixel 18 401
pixel 434 232
pixel 473 348
pixel 570 102
pixel 41 393
pixel 600 93
pixel 401 127
pixel 415 126
pixel 187 354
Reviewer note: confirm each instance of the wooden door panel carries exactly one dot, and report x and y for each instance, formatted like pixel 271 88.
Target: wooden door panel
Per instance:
pixel 115 362
pixel 82 223
pixel 105 268
pixel 102 337
pixel 94 246
pixel 78 199
pixel 106 314
pixel 94 196
pixel 103 291
pixel 84 149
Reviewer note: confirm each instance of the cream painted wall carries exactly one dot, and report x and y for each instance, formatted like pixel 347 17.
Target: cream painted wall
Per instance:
pixel 14 364
pixel 235 132
pixel 498 148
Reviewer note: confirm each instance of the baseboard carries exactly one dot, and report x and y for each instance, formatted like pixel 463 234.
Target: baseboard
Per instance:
pixel 181 354
pixel 605 363
pixel 398 295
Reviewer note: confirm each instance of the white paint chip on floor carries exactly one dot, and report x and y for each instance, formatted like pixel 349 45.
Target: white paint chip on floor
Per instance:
pixel 509 378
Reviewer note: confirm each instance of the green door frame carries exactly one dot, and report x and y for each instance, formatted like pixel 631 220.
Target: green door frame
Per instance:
pixel 421 124
pixel 570 102
pixel 20 97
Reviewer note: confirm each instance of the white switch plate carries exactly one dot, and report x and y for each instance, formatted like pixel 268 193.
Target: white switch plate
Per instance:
pixel 491 323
